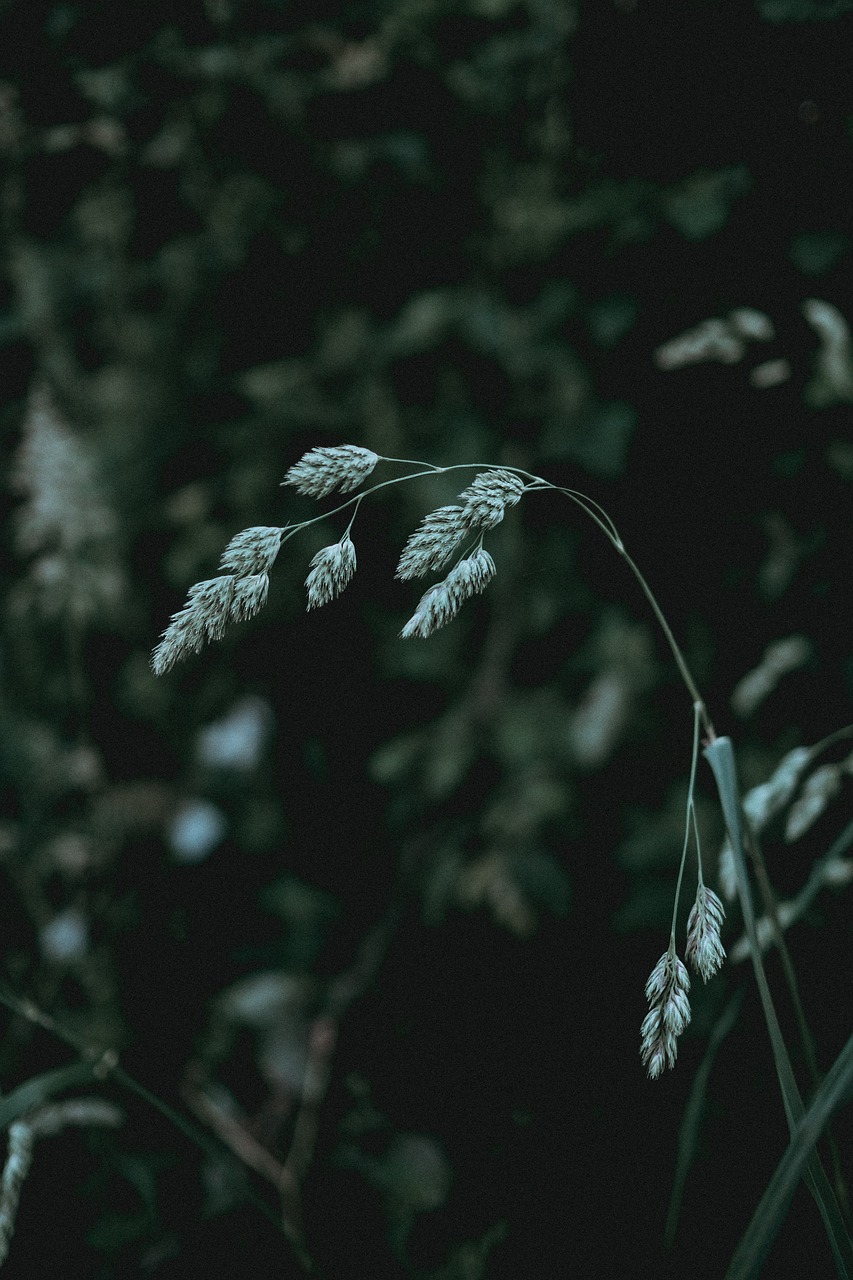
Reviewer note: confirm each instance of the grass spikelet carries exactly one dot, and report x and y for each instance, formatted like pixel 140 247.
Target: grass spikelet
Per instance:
pixel 487 498
pixel 250 595
pixel 331 570
pixel 433 542
pixel 320 471
pixel 210 605
pixel 705 951
pixel 669 1012
pixel 435 608
pixel 252 551
pixel 471 575
pixel 442 602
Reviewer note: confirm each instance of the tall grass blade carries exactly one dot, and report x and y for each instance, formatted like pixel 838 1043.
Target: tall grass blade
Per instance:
pixel 720 756
pixel 836 1089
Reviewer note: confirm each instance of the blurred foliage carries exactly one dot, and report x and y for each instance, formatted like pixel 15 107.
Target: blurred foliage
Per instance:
pixel 379 915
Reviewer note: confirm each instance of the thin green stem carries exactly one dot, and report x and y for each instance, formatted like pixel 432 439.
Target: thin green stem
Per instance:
pixel 690 788
pixel 587 504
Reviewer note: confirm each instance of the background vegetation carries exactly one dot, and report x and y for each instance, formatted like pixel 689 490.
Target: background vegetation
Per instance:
pixel 376 914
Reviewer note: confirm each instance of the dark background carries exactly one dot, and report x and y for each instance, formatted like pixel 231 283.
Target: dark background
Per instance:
pixel 456 232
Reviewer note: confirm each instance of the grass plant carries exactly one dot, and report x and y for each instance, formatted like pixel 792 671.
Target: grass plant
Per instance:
pixel 455 535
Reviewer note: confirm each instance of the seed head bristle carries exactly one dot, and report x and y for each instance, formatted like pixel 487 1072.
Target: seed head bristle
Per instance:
pixel 470 575
pixel 320 471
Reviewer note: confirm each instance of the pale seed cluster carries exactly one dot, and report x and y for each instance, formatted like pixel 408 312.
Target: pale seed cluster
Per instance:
pixel 233 596
pixel 433 543
pixel 436 539
pixel 321 471
pixel 704 950
pixel 211 605
pixel 252 551
pixel 669 1012
pixel 442 602
pixel 668 985
pixel 242 589
pixel 487 498
pixel 331 570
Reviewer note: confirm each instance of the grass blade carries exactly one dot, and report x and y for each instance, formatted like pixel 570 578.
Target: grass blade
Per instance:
pixel 720 756
pixel 836 1089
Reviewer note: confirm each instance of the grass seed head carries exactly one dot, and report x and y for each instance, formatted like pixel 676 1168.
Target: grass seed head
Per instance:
pixel 704 949
pixel 320 471
pixel 331 570
pixel 487 498
pixel 669 1013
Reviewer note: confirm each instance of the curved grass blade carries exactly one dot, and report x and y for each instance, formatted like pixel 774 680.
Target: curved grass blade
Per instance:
pixel 836 1089
pixel 720 756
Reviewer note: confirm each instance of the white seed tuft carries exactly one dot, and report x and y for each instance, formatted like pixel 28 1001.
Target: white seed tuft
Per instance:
pixel 485 501
pixel 442 602
pixel 321 471
pixel 669 1013
pixel 470 575
pixel 433 542
pixel 252 551
pixel 435 608
pixel 209 607
pixel 704 950
pixel 331 570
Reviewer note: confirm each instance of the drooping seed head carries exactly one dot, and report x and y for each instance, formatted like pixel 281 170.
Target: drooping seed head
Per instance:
pixel 320 471
pixel 470 575
pixel 252 551
pixel 669 1013
pixel 442 602
pixel 208 609
pixel 250 595
pixel 331 570
pixel 487 498
pixel 704 949
pixel 433 542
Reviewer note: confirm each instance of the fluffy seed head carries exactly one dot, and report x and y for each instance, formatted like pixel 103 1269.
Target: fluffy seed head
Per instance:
pixel 485 501
pixel 470 575
pixel 433 542
pixel 208 608
pixel 669 1013
pixel 252 551
pixel 442 602
pixel 331 570
pixel 321 471
pixel 435 608
pixel 704 950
